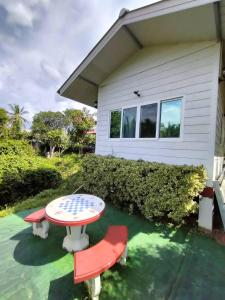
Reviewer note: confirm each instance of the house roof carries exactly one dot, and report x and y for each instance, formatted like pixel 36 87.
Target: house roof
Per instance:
pixel 165 22
pixel 93 131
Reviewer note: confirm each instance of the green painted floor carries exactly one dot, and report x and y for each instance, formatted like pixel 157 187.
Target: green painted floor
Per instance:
pixel 163 263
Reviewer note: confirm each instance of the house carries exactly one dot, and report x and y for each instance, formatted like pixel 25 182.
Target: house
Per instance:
pixel 157 76
pixel 92 132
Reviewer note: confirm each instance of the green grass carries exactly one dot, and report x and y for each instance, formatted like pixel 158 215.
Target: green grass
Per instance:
pixel 69 167
pixel 163 262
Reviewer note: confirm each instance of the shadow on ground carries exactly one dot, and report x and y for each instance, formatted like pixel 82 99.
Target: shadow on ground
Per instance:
pixel 64 288
pixel 163 263
pixel 34 251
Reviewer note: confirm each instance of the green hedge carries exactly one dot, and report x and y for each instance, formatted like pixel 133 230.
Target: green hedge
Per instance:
pixel 15 147
pixel 23 176
pixel 156 190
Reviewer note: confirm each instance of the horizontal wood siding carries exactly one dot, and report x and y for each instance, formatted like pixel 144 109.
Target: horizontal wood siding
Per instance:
pixel 163 72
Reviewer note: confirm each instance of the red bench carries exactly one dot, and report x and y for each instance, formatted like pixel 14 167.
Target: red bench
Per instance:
pixel 90 263
pixel 40 225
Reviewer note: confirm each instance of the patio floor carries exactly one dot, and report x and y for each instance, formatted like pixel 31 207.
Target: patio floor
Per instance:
pixel 163 263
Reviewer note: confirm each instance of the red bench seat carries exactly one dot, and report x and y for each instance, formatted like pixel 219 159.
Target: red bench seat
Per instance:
pixel 36 217
pixel 40 224
pixel 89 264
pixel 99 258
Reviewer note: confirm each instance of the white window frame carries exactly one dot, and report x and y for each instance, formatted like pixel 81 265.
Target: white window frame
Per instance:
pixel 121 130
pixel 109 127
pixel 137 132
pixel 180 138
pixel 157 122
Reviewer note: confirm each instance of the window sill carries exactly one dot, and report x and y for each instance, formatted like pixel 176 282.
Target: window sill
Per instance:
pixel 148 139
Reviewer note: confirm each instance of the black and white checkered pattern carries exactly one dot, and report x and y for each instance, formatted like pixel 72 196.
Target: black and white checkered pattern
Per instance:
pixel 75 206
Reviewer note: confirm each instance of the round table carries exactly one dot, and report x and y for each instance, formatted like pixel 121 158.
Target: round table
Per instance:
pixel 75 212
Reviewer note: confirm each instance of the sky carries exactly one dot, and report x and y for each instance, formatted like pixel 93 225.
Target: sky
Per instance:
pixel 42 42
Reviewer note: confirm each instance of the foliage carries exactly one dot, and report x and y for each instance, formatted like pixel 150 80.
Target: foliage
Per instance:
pixel 68 166
pixel 46 121
pixel 3 123
pixel 23 176
pixel 48 128
pixel 15 147
pixel 3 117
pixel 78 124
pixel 115 124
pixel 17 120
pixel 171 130
pixel 156 190
pixel 57 138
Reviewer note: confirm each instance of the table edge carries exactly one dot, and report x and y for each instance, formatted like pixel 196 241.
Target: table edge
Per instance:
pixel 74 223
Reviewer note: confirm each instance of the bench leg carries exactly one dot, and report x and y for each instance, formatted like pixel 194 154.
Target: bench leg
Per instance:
pixel 41 229
pixel 123 258
pixel 94 287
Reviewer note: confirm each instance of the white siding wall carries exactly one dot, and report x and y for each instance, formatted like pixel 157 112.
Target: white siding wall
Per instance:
pixel 220 128
pixel 164 72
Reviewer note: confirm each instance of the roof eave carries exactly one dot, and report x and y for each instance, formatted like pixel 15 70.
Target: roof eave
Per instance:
pixel 157 9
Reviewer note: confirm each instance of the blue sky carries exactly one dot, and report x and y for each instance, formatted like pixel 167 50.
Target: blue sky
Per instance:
pixel 42 41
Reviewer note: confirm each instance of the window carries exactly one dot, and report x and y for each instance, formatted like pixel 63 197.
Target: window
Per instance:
pixel 170 118
pixel 129 122
pixel 156 120
pixel 115 124
pixel 148 119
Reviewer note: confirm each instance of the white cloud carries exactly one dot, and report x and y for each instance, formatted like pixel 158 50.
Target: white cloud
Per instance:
pixel 42 43
pixel 50 71
pixel 19 14
pixel 23 12
pixel 31 111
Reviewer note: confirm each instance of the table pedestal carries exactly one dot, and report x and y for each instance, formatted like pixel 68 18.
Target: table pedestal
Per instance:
pixel 76 238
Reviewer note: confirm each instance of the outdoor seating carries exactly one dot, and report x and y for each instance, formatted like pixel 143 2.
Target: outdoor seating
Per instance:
pixel 40 224
pixel 89 264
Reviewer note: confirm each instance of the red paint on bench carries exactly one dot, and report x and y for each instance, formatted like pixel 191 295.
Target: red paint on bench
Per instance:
pixel 92 262
pixel 208 192
pixel 36 217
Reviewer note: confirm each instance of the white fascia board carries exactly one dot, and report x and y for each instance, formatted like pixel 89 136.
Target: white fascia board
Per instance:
pixel 163 8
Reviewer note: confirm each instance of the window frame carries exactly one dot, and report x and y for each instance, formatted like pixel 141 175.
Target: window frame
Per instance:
pixel 180 138
pixel 157 115
pixel 109 127
pixel 138 117
pixel 121 129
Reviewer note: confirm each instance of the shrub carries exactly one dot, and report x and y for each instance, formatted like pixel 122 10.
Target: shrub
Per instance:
pixel 15 147
pixel 23 176
pixel 156 190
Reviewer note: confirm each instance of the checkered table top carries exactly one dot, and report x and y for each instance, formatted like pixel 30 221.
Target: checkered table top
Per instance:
pixel 76 207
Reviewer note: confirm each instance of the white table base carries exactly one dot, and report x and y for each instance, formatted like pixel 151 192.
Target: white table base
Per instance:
pixel 76 238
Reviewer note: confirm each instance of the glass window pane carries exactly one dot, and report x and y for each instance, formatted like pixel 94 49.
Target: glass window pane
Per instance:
pixel 129 122
pixel 170 117
pixel 115 124
pixel 148 119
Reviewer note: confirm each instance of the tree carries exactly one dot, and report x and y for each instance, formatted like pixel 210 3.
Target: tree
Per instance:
pixel 48 128
pixel 79 122
pixel 17 120
pixel 57 138
pixel 4 118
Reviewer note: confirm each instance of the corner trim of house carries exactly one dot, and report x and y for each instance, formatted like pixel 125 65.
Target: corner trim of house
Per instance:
pixel 216 6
